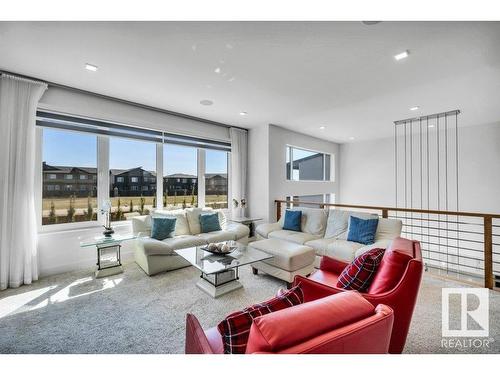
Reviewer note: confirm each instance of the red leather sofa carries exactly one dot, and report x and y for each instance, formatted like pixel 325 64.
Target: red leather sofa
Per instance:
pixel 342 323
pixel 395 284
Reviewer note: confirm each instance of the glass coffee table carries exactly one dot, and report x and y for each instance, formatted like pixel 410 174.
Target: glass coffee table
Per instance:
pixel 219 273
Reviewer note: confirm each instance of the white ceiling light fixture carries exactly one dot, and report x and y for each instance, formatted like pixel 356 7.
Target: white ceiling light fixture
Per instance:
pixel 217 70
pixel 206 102
pixel 92 68
pixel 415 108
pixel 352 138
pixel 402 55
pixel 321 128
pixel 431 125
pixel 243 113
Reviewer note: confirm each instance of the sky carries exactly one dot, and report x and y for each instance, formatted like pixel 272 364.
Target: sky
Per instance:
pixel 79 149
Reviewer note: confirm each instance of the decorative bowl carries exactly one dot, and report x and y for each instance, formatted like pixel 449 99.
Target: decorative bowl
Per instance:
pixel 219 248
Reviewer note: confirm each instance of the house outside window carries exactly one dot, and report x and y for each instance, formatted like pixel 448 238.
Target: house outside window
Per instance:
pixel 120 179
pixel 307 165
pixel 83 177
pixel 68 177
pixel 52 176
pixel 134 179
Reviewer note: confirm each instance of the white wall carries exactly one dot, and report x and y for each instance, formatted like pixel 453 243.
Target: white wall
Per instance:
pixel 267 176
pixel 367 170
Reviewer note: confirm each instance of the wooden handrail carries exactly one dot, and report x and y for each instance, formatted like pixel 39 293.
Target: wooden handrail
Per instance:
pixel 487 225
pixel 398 209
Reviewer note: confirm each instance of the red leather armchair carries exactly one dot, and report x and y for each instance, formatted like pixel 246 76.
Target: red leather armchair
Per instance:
pixel 343 323
pixel 395 284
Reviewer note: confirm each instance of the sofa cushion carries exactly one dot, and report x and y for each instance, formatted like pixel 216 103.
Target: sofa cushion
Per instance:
pixel 217 236
pixel 167 247
pixel 141 224
pixel 163 227
pixel 291 236
pixel 388 229
pixel 292 220
pixel 264 229
pixel 313 220
pixel 362 231
pixel 337 223
pixel 209 222
pixel 392 268
pixel 359 274
pixel 235 328
pixel 343 250
pixel 320 245
pixel 384 244
pixel 181 225
pixel 237 230
pixel 287 256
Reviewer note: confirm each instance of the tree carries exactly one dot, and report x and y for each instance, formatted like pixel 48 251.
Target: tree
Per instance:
pixel 52 214
pixel 175 198
pixel 142 201
pixel 131 206
pixel 89 213
pixel 71 209
pixel 119 212
pixel 164 199
pixel 154 201
pixel 184 205
pixel 192 200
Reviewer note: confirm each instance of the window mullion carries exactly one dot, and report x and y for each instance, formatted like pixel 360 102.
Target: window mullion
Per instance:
pixel 102 173
pixel 159 175
pixel 201 177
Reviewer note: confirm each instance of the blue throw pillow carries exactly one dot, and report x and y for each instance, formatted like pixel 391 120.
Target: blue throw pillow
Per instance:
pixel 292 220
pixel 163 227
pixel 209 222
pixel 362 231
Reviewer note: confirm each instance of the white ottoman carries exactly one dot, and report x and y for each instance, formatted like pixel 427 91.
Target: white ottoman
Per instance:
pixel 289 259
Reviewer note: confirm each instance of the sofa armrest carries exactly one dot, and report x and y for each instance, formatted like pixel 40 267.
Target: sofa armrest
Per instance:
pixel 332 265
pixel 264 229
pixel 196 340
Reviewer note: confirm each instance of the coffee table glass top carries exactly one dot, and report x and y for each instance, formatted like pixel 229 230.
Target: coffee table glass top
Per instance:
pixel 99 240
pixel 209 263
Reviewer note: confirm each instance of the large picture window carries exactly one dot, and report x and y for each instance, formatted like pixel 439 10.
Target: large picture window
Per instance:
pixel 76 150
pixel 216 179
pixel 180 176
pixel 65 155
pixel 132 177
pixel 306 165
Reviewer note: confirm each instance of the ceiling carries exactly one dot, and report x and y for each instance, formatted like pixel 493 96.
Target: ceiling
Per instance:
pixel 299 75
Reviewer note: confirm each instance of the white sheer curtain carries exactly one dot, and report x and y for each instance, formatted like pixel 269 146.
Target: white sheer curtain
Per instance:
pixel 239 156
pixel 18 229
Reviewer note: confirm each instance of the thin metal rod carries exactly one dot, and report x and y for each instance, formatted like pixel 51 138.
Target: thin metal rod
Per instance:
pixel 396 162
pixel 446 178
pixel 456 111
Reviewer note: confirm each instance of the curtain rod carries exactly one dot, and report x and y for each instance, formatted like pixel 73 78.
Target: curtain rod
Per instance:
pixel 435 115
pixel 145 106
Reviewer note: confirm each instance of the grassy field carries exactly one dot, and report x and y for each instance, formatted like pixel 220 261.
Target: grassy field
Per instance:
pixel 62 204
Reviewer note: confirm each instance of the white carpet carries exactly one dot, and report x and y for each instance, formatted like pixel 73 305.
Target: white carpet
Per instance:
pixel 134 313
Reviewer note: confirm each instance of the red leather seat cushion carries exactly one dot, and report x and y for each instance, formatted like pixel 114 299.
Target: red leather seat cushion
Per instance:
pixel 284 328
pixel 324 277
pixel 215 340
pixel 393 266
pixel 235 329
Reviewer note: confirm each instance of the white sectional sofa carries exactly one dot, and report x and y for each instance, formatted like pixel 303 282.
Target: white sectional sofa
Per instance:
pixel 155 256
pixel 325 230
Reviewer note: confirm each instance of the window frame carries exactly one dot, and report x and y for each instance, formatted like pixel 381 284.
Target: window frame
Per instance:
pixel 289 154
pixel 102 177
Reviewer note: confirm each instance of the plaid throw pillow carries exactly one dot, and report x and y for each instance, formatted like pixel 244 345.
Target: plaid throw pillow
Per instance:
pixel 235 329
pixel 359 274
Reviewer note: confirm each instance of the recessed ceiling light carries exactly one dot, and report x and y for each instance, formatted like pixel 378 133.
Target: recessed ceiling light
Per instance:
pixel 402 55
pixel 243 113
pixel 414 108
pixel 217 70
pixel 321 128
pixel 352 138
pixel 92 68
pixel 206 102
pixel 431 125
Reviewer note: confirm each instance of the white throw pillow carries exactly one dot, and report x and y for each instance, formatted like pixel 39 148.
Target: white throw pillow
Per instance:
pixel 337 223
pixel 193 218
pixel 181 224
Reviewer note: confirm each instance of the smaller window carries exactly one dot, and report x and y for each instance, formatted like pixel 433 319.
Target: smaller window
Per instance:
pixel 83 177
pixel 57 187
pixel 306 165
pixel 68 177
pixel 120 179
pixel 134 188
pixel 83 188
pixel 52 176
pixel 145 188
pixel 94 177
pixel 134 179
pixel 50 187
pixel 178 180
